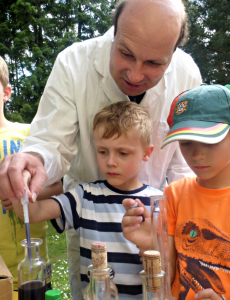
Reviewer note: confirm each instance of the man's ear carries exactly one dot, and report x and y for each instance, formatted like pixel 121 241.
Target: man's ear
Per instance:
pixel 7 93
pixel 148 152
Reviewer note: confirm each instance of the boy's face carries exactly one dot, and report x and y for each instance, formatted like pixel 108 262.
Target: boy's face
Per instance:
pixel 119 158
pixel 210 162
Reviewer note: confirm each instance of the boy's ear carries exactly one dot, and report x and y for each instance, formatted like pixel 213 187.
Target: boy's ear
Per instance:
pixel 148 152
pixel 7 93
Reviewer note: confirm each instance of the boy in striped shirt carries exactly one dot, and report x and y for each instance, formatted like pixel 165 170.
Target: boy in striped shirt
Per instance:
pixel 122 134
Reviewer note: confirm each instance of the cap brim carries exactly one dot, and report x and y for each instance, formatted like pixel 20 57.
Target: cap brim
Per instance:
pixel 204 132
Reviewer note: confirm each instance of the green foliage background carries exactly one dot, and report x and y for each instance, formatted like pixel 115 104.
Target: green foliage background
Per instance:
pixel 209 42
pixel 33 32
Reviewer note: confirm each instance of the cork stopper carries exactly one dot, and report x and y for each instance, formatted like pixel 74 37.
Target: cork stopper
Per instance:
pixel 152 266
pixel 99 255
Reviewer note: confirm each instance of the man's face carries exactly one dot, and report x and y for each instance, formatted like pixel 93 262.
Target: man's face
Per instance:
pixel 140 53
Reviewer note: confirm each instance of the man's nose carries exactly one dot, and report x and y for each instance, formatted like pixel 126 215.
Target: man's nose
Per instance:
pixel 135 73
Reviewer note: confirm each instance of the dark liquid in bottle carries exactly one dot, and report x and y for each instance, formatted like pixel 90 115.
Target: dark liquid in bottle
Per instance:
pixel 32 290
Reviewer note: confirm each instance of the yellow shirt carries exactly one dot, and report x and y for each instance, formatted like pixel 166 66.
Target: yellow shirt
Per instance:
pixel 12 229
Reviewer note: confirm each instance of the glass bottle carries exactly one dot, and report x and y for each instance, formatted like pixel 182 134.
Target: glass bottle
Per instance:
pixel 149 292
pixel 53 295
pixel 153 277
pixel 159 237
pixel 101 285
pixel 32 272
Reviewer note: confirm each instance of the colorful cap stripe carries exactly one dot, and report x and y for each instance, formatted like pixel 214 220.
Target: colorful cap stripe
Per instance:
pixel 201 131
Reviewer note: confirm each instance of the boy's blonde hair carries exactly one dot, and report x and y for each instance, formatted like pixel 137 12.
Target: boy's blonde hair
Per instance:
pixel 4 73
pixel 122 116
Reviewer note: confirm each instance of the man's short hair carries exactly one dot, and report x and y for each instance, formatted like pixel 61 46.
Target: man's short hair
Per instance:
pixel 4 73
pixel 184 25
pixel 120 117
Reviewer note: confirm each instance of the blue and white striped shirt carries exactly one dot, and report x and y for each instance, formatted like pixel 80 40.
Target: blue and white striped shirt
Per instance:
pixel 95 210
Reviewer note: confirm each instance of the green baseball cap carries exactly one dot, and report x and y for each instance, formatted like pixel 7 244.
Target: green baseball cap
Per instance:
pixel 53 295
pixel 201 114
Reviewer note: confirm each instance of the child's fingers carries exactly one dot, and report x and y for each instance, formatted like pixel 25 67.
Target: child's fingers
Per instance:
pixel 26 177
pixel 146 213
pixel 7 204
pixel 207 294
pixel 128 203
pixel 129 221
pixel 135 208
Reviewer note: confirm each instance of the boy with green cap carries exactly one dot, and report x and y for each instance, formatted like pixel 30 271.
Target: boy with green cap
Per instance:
pixel 198 207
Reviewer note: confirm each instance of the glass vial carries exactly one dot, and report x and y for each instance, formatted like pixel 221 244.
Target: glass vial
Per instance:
pixel 101 285
pixel 32 272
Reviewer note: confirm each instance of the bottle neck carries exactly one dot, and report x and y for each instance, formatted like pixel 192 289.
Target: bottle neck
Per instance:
pixel 153 285
pixel 32 251
pixel 111 271
pixel 100 284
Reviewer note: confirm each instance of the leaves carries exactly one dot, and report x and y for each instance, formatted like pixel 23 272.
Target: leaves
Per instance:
pixel 33 33
pixel 209 42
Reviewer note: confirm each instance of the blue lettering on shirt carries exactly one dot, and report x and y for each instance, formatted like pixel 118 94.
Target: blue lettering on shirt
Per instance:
pixel 5 148
pixel 14 148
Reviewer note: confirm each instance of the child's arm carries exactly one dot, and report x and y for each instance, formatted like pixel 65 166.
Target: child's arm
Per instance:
pixel 172 257
pixel 47 192
pixel 39 211
pixel 54 189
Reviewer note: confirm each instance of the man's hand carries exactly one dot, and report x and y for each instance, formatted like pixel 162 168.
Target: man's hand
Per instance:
pixel 137 229
pixel 208 294
pixel 12 186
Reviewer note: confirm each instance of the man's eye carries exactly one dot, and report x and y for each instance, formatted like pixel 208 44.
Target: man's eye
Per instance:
pixel 126 54
pixel 153 63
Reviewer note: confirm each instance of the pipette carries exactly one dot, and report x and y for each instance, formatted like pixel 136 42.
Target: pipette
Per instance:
pixel 25 201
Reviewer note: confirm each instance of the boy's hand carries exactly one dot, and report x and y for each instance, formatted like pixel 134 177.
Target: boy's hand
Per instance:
pixel 208 294
pixel 137 229
pixel 7 204
pixel 11 175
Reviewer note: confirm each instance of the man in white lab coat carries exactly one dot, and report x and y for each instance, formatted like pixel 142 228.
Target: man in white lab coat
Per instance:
pixel 136 60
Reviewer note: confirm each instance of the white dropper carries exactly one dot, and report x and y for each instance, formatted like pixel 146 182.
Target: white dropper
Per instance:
pixel 25 201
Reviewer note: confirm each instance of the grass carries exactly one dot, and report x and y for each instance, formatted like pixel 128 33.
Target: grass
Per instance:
pixel 58 257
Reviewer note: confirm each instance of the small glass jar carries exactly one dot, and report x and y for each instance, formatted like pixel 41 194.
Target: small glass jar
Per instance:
pixel 101 285
pixel 32 272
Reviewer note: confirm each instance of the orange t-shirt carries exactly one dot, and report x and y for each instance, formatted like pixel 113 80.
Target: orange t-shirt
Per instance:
pixel 198 218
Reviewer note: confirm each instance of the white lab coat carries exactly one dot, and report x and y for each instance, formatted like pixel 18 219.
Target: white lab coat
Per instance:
pixel 79 86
